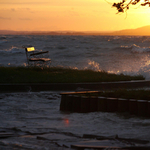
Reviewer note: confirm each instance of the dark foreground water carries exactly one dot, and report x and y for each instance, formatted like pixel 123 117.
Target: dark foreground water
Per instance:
pixel 32 121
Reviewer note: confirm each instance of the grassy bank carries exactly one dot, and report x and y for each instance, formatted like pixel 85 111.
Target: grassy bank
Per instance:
pixel 58 75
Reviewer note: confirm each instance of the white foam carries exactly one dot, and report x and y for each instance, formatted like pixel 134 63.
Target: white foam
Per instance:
pixel 120 55
pixel 138 49
pixel 92 65
pixel 13 50
pixel 16 50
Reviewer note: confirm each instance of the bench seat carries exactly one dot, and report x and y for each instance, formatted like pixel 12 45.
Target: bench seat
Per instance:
pixel 40 59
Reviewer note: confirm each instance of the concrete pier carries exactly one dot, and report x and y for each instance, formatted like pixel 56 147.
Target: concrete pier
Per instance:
pixel 76 104
pixel 84 102
pixel 148 113
pixel 133 107
pixel 69 103
pixel 142 108
pixel 102 104
pixel 123 105
pixel 93 103
pixel 112 104
pixel 35 87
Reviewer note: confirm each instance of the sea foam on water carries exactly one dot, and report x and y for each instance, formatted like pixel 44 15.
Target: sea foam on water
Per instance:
pixel 113 54
pixel 36 115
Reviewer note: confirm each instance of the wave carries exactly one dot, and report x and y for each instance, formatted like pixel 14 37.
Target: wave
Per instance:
pixel 1 42
pixel 145 71
pixel 61 47
pixel 138 49
pixel 135 48
pixel 13 50
pixel 48 47
pixel 92 65
pixel 3 38
pixel 113 54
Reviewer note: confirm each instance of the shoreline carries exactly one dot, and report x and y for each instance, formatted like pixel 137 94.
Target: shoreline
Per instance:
pixel 36 87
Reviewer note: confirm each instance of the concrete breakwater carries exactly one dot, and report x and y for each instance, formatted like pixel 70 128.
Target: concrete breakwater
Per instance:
pixel 35 87
pixel 78 102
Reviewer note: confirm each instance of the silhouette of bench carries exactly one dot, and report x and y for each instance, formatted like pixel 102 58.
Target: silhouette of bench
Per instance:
pixel 37 58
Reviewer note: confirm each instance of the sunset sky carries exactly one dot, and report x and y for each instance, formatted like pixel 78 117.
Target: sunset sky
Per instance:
pixel 70 15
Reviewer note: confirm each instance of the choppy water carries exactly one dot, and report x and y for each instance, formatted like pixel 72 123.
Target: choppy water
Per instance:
pixel 36 122
pixel 34 119
pixel 116 54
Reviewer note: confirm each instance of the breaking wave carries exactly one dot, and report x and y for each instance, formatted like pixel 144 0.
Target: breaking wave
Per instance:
pixel 136 49
pixel 113 54
pixel 13 50
pixel 92 65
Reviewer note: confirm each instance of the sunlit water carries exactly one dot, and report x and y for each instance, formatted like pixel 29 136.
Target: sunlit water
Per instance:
pixel 114 54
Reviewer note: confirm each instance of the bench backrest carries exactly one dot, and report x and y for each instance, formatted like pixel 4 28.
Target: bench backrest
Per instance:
pixel 30 49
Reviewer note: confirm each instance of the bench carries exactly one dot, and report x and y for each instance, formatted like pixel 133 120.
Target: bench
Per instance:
pixel 37 58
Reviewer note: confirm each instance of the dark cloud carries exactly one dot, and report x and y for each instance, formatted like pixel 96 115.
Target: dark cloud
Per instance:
pixel 13 9
pixel 27 19
pixel 22 3
pixel 21 9
pixel 28 9
pixel 5 18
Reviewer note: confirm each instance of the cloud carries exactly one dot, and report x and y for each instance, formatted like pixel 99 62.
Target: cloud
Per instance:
pixel 13 9
pixel 5 18
pixel 27 8
pixel 21 9
pixel 25 19
pixel 22 3
pixel 73 13
pixel 24 9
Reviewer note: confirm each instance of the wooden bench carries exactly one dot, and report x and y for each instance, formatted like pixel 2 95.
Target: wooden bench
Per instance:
pixel 37 58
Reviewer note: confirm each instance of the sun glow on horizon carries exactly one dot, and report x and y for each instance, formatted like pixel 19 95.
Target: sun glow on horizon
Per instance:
pixel 64 15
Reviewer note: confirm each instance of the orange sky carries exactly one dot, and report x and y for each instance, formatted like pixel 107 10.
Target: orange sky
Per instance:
pixel 74 15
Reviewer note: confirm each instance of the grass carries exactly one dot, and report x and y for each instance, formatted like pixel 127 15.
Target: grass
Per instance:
pixel 58 75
